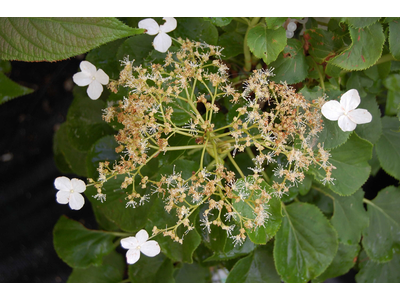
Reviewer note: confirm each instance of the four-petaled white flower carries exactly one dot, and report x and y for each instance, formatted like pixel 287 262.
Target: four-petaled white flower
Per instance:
pixel 162 41
pixel 92 77
pixel 69 192
pixel 138 244
pixel 345 111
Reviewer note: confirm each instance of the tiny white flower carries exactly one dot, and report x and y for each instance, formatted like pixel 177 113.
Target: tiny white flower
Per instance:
pixel 92 77
pixel 137 244
pixel 345 111
pixel 69 192
pixel 162 41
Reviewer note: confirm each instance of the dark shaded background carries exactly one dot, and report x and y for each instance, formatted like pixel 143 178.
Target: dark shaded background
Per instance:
pixel 28 210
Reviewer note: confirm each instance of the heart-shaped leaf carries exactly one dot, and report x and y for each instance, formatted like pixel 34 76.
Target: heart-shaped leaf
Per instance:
pixel 78 246
pixel 256 267
pixel 305 245
pixel 383 233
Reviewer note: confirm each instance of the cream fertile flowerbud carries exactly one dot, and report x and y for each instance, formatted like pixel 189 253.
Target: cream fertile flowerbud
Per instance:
pixel 162 41
pixel 69 192
pixel 345 111
pixel 92 77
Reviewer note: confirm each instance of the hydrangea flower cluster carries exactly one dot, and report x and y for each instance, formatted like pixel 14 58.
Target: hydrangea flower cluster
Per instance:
pixel 181 98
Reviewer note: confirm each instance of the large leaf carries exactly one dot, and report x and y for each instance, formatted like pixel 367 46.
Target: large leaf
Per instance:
pixel 70 157
pixel 388 146
pixel 305 245
pixel 344 260
pixel 291 64
pixel 50 39
pixel 266 43
pixel 192 273
pixel 382 235
pixel 373 272
pixel 10 90
pixel 137 48
pixel 349 217
pixel 371 131
pixel 232 43
pixel 196 29
pixel 158 269
pixel 351 166
pixel 275 22
pixel 84 121
pixel 323 44
pixel 365 50
pixel 360 22
pixel 224 248
pixel 78 246
pixel 394 36
pixel 112 270
pixel 256 267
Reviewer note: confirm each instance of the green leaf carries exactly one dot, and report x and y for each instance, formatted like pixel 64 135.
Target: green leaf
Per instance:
pixel 104 58
pixel 394 36
pixel 223 247
pixel 256 267
pixel 10 90
pixel 74 159
pixel 371 131
pixel 158 269
pixel 365 50
pixel 388 146
pixel 224 21
pixel 275 22
pixel 392 106
pixel 382 235
pixel 5 66
pixel 192 273
pixel 196 29
pixel 360 22
pixel 331 136
pixel 344 260
pixel 373 272
pixel 351 166
pixel 291 65
pixel 114 207
pixel 349 217
pixel 84 121
pixel 137 48
pixel 232 42
pixel 359 81
pixel 323 44
pixel 102 150
pixel 261 234
pixel 305 245
pixel 266 43
pixel 78 246
pixel 111 271
pixel 50 39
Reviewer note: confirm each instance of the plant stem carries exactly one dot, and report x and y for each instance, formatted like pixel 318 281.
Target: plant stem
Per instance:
pixel 246 49
pixel 235 165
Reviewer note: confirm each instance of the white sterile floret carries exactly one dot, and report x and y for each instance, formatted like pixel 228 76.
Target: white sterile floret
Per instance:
pixel 92 77
pixel 345 111
pixel 137 244
pixel 69 192
pixel 162 41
